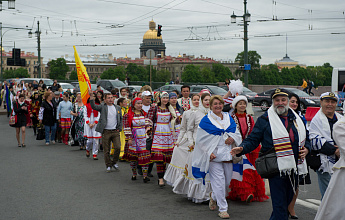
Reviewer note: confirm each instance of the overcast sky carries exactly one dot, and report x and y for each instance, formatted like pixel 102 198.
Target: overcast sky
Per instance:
pixel 194 27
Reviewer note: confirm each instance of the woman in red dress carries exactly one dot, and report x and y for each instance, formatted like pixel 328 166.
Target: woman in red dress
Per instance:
pixel 28 103
pixel 252 187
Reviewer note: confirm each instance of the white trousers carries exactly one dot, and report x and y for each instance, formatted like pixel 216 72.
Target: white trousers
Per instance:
pixel 94 144
pixel 220 177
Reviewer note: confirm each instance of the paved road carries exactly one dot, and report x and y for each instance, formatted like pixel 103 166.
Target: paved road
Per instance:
pixel 59 182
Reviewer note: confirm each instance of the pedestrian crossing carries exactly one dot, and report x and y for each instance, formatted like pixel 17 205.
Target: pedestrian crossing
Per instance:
pixel 309 203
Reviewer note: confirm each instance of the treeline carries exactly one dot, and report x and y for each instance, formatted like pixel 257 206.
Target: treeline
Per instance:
pixel 17 73
pixel 205 74
pixel 270 75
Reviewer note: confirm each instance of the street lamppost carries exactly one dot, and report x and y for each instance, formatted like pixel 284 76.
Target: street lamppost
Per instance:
pixel 246 19
pixel 38 35
pixel 2 34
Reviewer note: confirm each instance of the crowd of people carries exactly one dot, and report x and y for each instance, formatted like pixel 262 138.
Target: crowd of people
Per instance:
pixel 202 152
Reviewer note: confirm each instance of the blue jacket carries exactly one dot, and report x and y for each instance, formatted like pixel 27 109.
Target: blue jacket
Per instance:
pixel 262 134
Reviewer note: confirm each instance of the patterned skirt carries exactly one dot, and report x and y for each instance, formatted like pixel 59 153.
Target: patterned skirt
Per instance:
pixel 66 123
pixel 162 145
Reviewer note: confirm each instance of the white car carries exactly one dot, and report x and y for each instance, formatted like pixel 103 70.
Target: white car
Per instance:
pixel 66 86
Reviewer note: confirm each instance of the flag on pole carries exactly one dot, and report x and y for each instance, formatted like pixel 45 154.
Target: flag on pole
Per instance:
pixel 83 77
pixel 9 98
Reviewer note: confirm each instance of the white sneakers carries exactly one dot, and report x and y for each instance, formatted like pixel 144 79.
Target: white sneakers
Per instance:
pixel 53 142
pixel 47 143
pixel 116 167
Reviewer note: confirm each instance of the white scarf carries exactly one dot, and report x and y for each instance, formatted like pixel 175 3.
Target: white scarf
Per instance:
pixel 202 108
pixel 282 143
pixel 320 133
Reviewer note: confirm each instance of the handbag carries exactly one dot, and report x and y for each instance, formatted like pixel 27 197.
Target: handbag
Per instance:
pixel 266 164
pixel 13 118
pixel 313 160
pixel 40 133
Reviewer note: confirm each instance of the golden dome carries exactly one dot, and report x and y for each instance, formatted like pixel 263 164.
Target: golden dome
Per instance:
pixel 152 32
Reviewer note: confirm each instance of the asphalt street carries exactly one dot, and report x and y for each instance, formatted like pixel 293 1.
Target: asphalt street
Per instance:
pixel 59 182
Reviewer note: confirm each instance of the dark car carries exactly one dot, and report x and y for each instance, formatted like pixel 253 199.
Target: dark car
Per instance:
pixel 246 92
pixel 169 88
pixel 109 84
pixel 214 90
pixel 264 99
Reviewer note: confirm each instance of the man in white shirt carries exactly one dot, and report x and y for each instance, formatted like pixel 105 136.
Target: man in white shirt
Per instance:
pixel 146 97
pixel 110 126
pixel 185 102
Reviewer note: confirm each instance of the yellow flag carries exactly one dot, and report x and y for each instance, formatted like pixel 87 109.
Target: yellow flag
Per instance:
pixel 83 77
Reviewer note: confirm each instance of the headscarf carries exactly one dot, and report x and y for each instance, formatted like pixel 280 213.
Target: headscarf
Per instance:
pixel 202 107
pixel 131 112
pixel 172 112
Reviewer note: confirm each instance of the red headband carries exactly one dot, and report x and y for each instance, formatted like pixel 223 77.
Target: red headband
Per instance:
pixel 135 100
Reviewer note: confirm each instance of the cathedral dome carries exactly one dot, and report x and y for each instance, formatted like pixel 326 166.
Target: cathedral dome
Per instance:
pixel 152 32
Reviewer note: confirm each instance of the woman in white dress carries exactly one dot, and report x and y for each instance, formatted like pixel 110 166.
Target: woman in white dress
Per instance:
pixel 332 205
pixel 183 146
pixel 186 184
pixel 91 120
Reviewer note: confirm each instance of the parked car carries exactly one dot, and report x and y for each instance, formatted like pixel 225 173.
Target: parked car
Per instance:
pixel 246 92
pixel 66 86
pixel 94 88
pixel 133 89
pixel 169 88
pixel 264 99
pixel 47 82
pixel 75 84
pixel 110 84
pixel 214 90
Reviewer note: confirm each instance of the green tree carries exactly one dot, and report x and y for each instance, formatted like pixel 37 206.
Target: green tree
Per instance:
pixel 253 58
pixel 17 73
pixel 162 76
pixel 207 76
pixel 137 73
pixel 221 72
pixel 113 73
pixel 73 75
pixel 58 68
pixel 191 73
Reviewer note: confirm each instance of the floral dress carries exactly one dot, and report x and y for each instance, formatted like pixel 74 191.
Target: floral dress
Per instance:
pixel 79 123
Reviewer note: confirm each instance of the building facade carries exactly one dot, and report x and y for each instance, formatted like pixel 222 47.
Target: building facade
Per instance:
pixel 286 62
pixel 31 63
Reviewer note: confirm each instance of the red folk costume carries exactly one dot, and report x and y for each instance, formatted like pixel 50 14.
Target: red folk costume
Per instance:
pixel 135 130
pixel 28 119
pixel 252 183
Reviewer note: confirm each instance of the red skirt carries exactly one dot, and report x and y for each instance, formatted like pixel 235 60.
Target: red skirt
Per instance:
pixel 252 183
pixel 66 123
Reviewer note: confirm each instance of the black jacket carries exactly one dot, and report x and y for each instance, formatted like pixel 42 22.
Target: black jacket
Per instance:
pixel 49 113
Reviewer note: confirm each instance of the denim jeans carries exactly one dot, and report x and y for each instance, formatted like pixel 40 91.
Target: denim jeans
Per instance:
pixel 323 179
pixel 52 130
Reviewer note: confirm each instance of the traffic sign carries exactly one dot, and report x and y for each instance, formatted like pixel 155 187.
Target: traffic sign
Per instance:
pixel 150 54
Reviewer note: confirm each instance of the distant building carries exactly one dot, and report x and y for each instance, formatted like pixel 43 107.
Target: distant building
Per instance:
pixel 95 64
pixel 286 62
pixel 176 65
pixel 31 63
pixel 152 41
